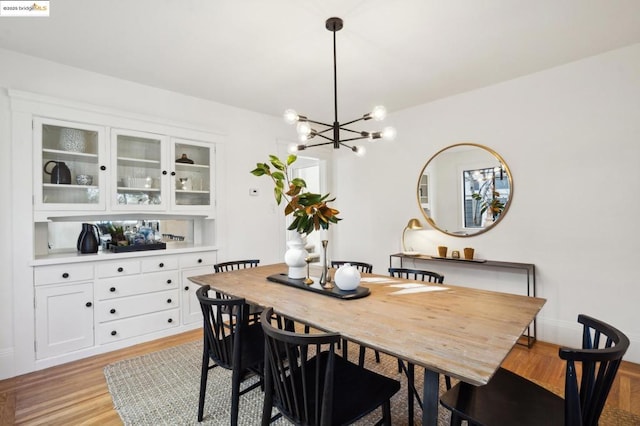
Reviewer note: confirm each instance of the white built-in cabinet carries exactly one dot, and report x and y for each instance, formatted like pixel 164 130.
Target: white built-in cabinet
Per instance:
pixel 96 304
pixel 89 168
pixel 118 166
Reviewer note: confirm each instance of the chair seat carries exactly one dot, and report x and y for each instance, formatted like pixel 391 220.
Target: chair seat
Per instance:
pixel 521 402
pixel 357 391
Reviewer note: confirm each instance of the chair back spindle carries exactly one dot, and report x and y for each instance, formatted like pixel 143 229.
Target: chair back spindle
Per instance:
pixel 360 266
pixel 417 274
pixel 235 265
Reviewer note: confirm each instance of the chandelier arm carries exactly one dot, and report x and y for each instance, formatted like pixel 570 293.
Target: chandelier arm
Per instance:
pixel 324 137
pixel 353 139
pixel 319 122
pixel 352 148
pixel 352 121
pixel 318 144
pixel 324 130
pixel 353 131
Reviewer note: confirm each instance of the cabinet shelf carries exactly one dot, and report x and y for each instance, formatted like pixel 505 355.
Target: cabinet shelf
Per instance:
pixel 186 191
pixel 129 161
pixel 130 189
pixel 65 187
pixel 187 166
pixel 70 154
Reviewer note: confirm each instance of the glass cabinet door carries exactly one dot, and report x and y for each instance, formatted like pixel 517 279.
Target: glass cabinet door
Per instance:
pixel 69 166
pixel 193 180
pixel 139 174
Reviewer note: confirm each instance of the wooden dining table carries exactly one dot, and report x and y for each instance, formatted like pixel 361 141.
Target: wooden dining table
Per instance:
pixel 462 332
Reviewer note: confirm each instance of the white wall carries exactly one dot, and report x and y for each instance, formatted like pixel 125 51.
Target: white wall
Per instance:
pixel 570 136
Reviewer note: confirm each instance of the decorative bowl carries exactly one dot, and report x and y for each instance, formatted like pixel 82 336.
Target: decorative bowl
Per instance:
pixel 84 179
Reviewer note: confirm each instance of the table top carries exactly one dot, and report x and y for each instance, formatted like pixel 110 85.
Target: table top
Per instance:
pixel 462 332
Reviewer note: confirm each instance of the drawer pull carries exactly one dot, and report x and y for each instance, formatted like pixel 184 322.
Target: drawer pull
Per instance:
pixel 103 168
pixel 168 300
pixel 120 269
pixel 65 275
pixel 113 311
pixel 199 260
pixel 173 173
pixel 186 288
pixel 113 333
pixel 88 304
pixel 170 320
pixel 164 172
pixel 168 281
pixel 112 289
pixel 161 265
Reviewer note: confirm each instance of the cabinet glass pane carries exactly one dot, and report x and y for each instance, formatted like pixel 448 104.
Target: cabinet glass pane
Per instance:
pixel 139 170
pixel 193 175
pixel 70 165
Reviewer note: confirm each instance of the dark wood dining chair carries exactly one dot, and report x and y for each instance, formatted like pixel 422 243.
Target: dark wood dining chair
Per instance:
pixel 360 266
pixel 310 384
pixel 417 274
pixel 366 268
pixel 409 368
pixel 233 265
pixel 510 399
pixel 231 343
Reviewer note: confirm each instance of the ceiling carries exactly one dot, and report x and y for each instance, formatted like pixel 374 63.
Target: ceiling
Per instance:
pixel 271 55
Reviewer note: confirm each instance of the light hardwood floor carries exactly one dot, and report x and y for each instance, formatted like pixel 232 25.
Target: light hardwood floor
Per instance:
pixel 76 393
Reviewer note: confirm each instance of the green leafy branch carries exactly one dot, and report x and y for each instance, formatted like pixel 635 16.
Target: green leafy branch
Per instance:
pixel 310 211
pixel 494 205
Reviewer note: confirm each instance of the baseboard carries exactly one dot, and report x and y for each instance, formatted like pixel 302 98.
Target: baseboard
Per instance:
pixel 6 363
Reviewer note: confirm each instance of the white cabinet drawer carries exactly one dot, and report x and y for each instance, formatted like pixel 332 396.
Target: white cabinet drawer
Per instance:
pixel 192 260
pixel 129 286
pixel 157 264
pixel 63 273
pixel 118 268
pixel 130 327
pixel 125 307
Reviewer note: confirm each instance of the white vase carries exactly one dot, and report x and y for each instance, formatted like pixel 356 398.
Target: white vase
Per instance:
pixel 347 277
pixel 295 257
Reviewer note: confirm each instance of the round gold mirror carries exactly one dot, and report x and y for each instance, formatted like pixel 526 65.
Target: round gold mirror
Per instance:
pixel 465 189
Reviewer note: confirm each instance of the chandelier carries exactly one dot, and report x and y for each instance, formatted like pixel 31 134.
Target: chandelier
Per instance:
pixel 332 132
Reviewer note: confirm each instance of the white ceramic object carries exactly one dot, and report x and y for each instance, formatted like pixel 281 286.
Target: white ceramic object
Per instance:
pixel 295 257
pixel 347 277
pixel 73 140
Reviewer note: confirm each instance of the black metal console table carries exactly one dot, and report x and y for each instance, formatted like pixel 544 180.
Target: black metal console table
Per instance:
pixel 530 269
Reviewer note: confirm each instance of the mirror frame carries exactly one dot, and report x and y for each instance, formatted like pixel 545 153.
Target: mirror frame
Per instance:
pixel 506 207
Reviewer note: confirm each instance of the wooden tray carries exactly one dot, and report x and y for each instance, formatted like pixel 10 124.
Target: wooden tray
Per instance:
pixel 315 287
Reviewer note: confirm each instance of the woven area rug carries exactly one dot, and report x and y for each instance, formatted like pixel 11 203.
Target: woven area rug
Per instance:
pixel 162 388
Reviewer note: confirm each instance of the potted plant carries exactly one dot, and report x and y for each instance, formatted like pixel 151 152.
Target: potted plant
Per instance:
pixel 492 204
pixel 310 211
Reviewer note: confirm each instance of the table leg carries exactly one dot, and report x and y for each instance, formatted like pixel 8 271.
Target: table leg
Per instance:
pixel 430 397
